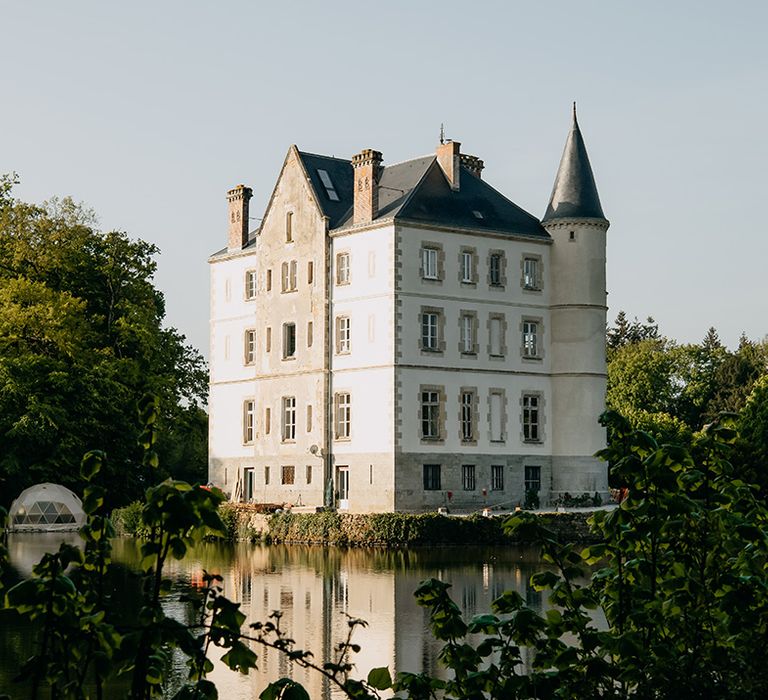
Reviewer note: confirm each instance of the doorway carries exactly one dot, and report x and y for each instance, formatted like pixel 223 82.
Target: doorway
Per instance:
pixel 342 487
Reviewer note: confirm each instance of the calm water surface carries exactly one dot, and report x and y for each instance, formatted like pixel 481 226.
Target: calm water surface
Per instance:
pixel 315 588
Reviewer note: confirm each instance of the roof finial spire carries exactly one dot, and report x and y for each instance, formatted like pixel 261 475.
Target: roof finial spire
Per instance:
pixel 442 133
pixel 574 111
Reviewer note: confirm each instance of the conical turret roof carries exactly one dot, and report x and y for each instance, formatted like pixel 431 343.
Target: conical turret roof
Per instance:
pixel 575 193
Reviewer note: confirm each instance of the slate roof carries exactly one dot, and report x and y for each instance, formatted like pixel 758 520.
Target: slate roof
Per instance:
pixel 418 191
pixel 574 194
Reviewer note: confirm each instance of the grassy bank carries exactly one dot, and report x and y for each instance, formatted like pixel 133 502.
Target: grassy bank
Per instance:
pixel 254 522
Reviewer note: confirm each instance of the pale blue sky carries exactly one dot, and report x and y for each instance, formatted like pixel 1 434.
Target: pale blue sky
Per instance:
pixel 150 111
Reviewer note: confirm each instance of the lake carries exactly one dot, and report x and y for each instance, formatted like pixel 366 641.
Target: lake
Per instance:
pixel 315 588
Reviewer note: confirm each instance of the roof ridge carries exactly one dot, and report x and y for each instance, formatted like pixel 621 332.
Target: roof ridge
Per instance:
pixel 410 160
pixel 320 155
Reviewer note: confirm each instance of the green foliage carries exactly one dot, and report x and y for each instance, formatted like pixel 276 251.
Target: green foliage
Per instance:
pixel 81 340
pixel 127 520
pixel 679 573
pixel 532 500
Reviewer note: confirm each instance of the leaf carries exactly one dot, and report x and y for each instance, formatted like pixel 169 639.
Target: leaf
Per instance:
pixel 380 678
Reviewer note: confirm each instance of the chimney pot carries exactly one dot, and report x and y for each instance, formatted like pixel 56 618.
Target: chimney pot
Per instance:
pixel 472 163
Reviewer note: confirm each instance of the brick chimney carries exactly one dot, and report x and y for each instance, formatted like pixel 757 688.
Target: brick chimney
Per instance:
pixel 237 200
pixel 472 163
pixel 448 159
pixel 366 165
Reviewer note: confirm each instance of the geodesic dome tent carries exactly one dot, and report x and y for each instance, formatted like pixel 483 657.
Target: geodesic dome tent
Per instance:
pixel 46 507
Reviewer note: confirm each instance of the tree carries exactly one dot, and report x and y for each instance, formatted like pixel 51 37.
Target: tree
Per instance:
pixel 625 332
pixel 81 339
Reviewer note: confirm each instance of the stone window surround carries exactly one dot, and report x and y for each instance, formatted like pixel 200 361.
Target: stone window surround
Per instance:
pixel 287 475
pixel 432 245
pixel 541 417
pixel 251 281
pixel 475 407
pixel 504 415
pixel 475 274
pixel 441 401
pixel 502 269
pixel 440 329
pixel 337 436
pixel 285 425
pixel 337 329
pixel 250 346
pixel 286 326
pixel 540 281
pixel 539 356
pixel 337 278
pixel 288 277
pixel 463 313
pixel 249 431
pixel 289 227
pixel 502 335
pixel 267 420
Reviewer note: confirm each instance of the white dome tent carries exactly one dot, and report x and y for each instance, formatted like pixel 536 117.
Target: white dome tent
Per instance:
pixel 46 507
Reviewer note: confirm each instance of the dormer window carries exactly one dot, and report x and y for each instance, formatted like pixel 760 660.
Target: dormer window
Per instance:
pixel 330 190
pixel 477 214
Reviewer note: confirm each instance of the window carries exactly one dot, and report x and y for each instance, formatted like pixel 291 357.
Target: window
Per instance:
pixel 343 416
pixel 330 190
pixel 467 417
pixel 250 346
pixel 309 334
pixel 309 417
pixel 268 282
pixel 532 478
pixel 497 477
pixel 268 340
pixel 289 341
pixel 251 283
pixel 267 420
pixel 468 477
pixel 530 333
pixel 467 268
pixel 289 418
pixel 289 276
pixel 289 227
pixel 432 477
pixel 342 268
pixel 531 418
pixel 467 333
pixel 248 417
pixel 496 331
pixel 310 272
pixel 496 399
pixel 309 474
pixel 494 270
pixel 266 476
pixel 429 263
pixel 429 337
pixel 343 334
pixel 531 273
pixel 430 414
pixel 287 476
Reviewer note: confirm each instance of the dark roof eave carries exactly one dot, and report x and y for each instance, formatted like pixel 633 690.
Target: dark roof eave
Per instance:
pixel 544 237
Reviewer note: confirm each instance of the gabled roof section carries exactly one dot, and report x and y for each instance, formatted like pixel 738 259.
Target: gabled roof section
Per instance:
pixel 574 194
pixel 339 173
pixel 475 206
pixel 418 191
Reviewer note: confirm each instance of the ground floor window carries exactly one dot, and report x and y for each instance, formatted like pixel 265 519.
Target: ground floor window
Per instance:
pixel 431 477
pixel 468 476
pixel 497 477
pixel 248 487
pixel 533 478
pixel 288 476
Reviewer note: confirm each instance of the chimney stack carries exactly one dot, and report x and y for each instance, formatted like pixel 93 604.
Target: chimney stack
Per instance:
pixel 448 154
pixel 237 200
pixel 473 164
pixel 366 165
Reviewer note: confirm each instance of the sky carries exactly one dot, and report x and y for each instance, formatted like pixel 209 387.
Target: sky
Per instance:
pixel 149 112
